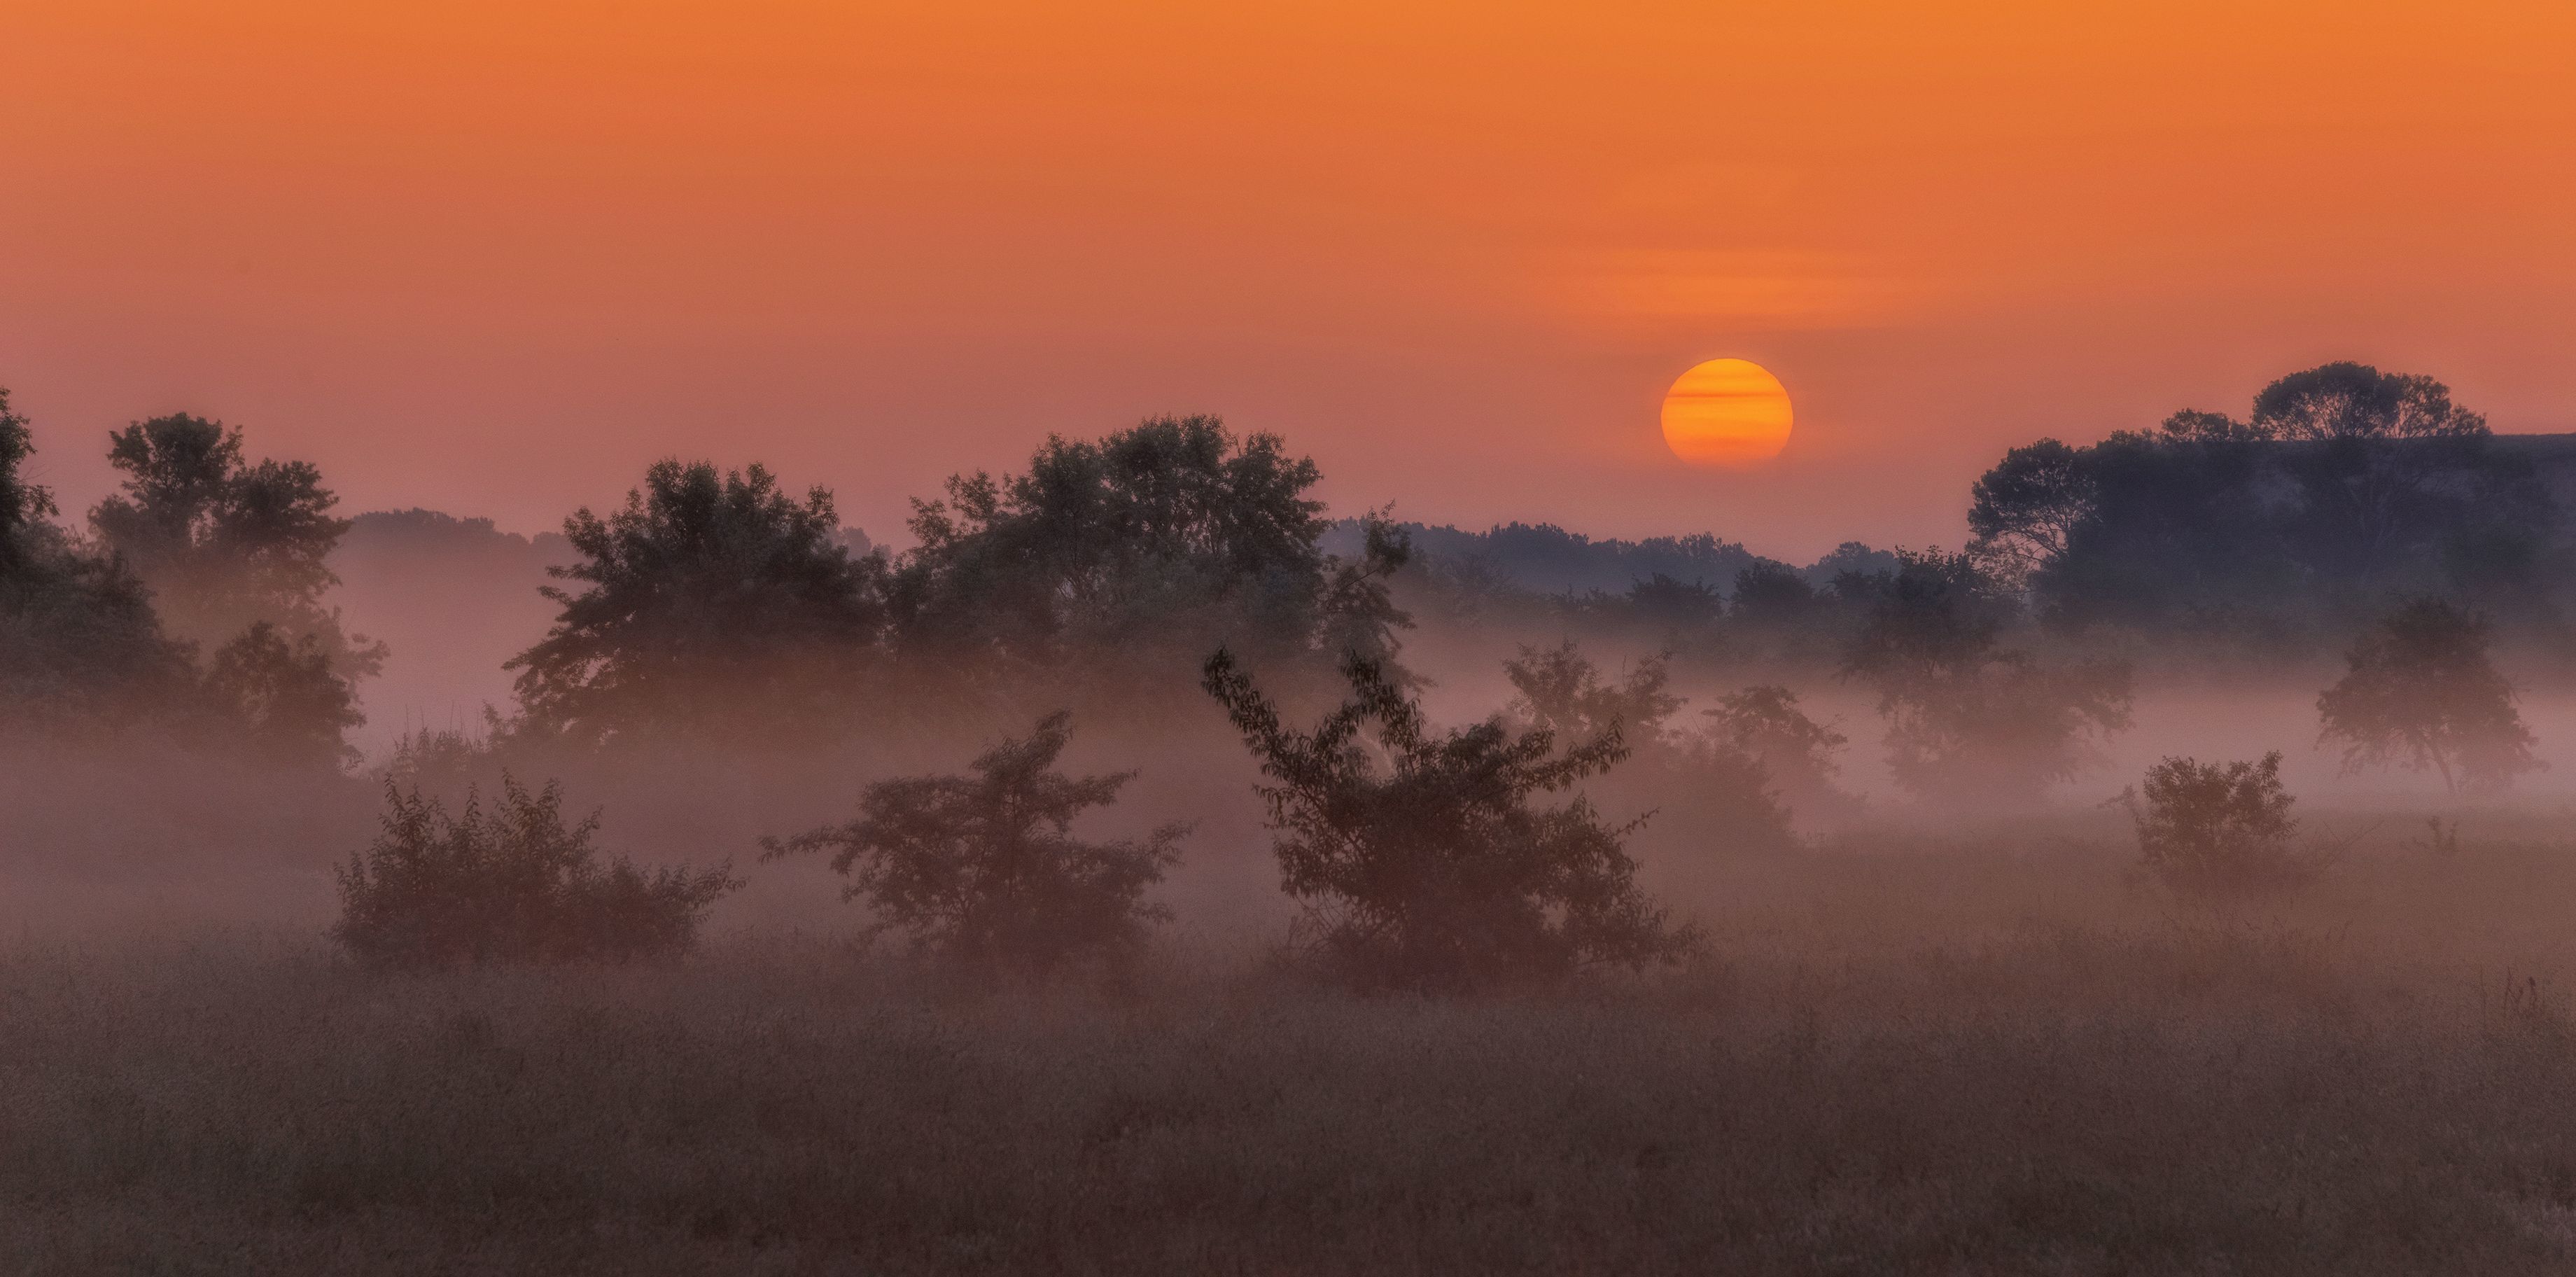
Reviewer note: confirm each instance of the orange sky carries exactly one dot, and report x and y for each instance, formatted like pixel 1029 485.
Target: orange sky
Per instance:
pixel 495 263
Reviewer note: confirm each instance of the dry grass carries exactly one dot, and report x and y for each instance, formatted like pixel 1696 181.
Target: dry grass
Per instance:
pixel 1940 1061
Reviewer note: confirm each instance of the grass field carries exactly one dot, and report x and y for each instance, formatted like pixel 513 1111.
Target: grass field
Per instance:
pixel 1927 1061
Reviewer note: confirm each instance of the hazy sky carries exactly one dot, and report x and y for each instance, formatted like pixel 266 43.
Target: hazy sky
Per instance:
pixel 495 263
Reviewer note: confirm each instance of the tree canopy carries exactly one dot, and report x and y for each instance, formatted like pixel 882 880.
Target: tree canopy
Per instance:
pixel 1151 546
pixel 224 543
pixel 2344 486
pixel 2420 690
pixel 712 602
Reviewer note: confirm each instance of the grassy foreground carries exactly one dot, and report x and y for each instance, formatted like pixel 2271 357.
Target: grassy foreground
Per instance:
pixel 2115 1097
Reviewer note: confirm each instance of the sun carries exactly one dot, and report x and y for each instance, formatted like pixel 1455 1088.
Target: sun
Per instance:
pixel 1726 412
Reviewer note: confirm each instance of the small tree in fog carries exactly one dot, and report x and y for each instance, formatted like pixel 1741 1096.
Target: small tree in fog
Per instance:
pixel 1423 862
pixel 2219 829
pixel 226 543
pixel 285 701
pixel 1799 753
pixel 510 883
pixel 984 870
pixel 1714 793
pixel 2420 690
pixel 1562 692
pixel 1965 713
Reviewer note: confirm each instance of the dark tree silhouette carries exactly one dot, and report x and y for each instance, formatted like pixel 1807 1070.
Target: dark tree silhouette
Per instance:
pixel 289 707
pixel 510 884
pixel 24 505
pixel 2419 689
pixel 1434 871
pixel 709 604
pixel 2373 453
pixel 2021 513
pixel 2212 830
pixel 224 543
pixel 1966 715
pixel 1140 551
pixel 80 646
pixel 984 870
pixel 2343 485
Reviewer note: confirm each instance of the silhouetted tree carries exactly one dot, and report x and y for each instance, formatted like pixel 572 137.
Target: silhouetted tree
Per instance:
pixel 1965 713
pixel 2379 458
pixel 23 503
pixel 287 704
pixel 511 884
pixel 1140 551
pixel 2419 689
pixel 710 603
pixel 80 646
pixel 2214 830
pixel 984 870
pixel 2344 485
pixel 1674 609
pixel 224 543
pixel 1434 870
pixel 2021 513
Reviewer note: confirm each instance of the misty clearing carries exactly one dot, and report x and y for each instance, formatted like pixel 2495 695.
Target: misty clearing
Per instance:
pixel 1132 866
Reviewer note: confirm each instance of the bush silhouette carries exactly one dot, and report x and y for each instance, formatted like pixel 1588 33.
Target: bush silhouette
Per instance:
pixel 511 883
pixel 1436 872
pixel 2219 829
pixel 984 871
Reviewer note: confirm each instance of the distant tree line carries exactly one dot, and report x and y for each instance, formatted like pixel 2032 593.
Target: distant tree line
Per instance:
pixel 2344 491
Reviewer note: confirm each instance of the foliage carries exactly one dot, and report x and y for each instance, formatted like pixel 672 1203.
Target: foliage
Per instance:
pixel 1716 794
pixel 1796 752
pixel 1139 552
pixel 23 503
pixel 79 643
pixel 2419 689
pixel 2343 485
pixel 510 884
pixel 2214 830
pixel 984 870
pixel 224 543
pixel 1434 871
pixel 1965 713
pixel 2021 513
pixel 710 604
pixel 1561 693
pixel 287 703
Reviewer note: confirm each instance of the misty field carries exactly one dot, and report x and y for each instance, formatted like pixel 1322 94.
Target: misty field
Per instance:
pixel 1913 1057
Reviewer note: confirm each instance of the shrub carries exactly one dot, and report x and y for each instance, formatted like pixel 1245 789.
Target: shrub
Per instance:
pixel 1436 872
pixel 510 884
pixel 2220 829
pixel 984 871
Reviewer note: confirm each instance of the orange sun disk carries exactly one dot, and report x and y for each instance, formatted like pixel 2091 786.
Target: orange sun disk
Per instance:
pixel 1726 412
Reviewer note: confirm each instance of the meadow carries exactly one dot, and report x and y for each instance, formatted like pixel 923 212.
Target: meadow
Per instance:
pixel 1969 1050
